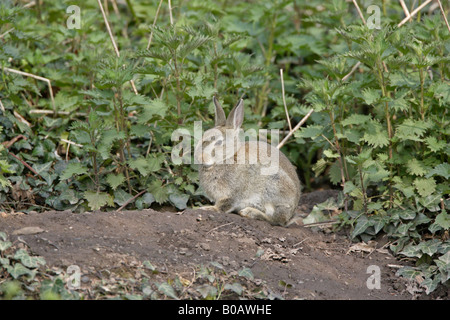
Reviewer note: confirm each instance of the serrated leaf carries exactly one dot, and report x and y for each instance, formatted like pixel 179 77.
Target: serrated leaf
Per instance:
pixel 73 168
pixel 424 186
pixel 434 145
pixel 356 119
pixel 442 170
pixel 158 191
pixel 376 135
pixel 98 200
pixel 415 167
pixel 412 129
pixel 156 107
pixel 139 164
pixel 371 96
pixel 115 180
pixel 311 131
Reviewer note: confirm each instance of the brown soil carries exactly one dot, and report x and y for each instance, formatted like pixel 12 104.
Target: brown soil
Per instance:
pixel 293 262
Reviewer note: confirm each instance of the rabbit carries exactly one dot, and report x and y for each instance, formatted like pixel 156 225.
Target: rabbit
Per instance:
pixel 231 172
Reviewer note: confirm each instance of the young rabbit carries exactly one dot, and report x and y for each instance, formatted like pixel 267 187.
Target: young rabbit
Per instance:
pixel 251 178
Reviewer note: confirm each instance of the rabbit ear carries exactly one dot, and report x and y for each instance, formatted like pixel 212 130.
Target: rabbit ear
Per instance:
pixel 236 116
pixel 220 118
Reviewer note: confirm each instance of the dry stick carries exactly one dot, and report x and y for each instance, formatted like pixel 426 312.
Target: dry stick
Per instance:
pixel 295 129
pixel 443 14
pixel 130 200
pixel 352 71
pixel 414 12
pixel 153 25
pixel 111 36
pixel 2 107
pixel 359 11
pixel 284 100
pixel 405 8
pixel 170 12
pixel 37 78
pixel 26 165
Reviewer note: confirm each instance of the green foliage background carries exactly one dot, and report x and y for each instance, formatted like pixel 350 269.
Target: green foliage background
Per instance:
pixel 381 134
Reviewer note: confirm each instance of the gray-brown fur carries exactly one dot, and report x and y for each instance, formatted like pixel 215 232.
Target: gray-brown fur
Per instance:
pixel 241 187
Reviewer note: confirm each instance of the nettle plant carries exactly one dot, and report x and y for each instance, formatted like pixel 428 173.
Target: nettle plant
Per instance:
pixel 385 133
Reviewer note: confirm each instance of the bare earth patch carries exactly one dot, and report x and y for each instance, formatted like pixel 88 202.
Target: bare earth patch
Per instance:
pixel 293 262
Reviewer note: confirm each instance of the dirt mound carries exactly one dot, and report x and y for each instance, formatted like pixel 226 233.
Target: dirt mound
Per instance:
pixel 294 262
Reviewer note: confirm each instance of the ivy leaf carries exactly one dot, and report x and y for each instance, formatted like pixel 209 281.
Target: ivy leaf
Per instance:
pixel 73 168
pixel 96 200
pixel 361 226
pixel 443 220
pixel 27 260
pixel 19 270
pixel 168 290
pixel 246 273
pixel 121 197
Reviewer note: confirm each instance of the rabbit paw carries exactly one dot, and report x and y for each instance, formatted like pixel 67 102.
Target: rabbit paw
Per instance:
pixel 253 213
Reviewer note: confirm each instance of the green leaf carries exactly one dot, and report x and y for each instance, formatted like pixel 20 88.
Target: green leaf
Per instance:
pixel 139 164
pixel 425 187
pixel 311 131
pixel 158 191
pixel 434 145
pixel 356 119
pixel 27 260
pixel 5 245
pixel 442 170
pixel 235 287
pixel 412 129
pixel 121 197
pixel 167 290
pixel 42 167
pixel 19 270
pixel 156 107
pixel 408 273
pixel 179 200
pixel 115 180
pixel 73 168
pixel 361 225
pixel 415 167
pixel 443 220
pixel 429 247
pixel 96 200
pixel 376 135
pixel 371 96
pixel 246 273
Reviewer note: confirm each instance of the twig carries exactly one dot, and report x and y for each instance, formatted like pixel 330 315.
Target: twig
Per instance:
pixel 295 129
pixel 8 144
pixel 37 78
pixel 153 26
pixel 71 142
pixel 405 8
pixel 170 12
pixel 1 106
pixel 284 100
pixel 26 165
pixel 111 36
pixel 359 11
pixel 443 14
pixel 130 200
pixel 323 223
pixel 213 229
pixel 352 71
pixel 414 12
